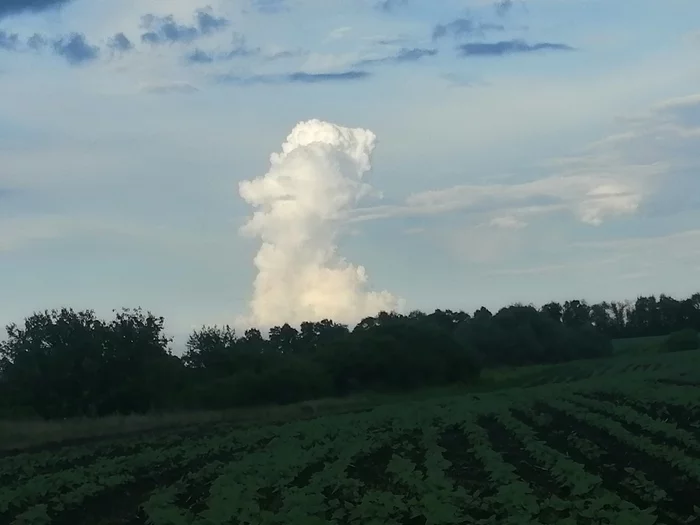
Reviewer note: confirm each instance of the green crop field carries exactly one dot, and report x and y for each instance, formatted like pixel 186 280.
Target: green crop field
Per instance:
pixel 614 441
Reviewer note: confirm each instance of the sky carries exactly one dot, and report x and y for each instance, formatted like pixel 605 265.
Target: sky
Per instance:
pixel 256 162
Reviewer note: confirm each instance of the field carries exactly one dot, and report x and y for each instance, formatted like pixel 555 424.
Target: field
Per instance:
pixel 613 441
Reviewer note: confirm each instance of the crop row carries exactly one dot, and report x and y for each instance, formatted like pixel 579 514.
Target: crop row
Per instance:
pixel 556 454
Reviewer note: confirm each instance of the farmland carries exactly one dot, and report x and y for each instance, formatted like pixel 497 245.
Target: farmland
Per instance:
pixel 607 441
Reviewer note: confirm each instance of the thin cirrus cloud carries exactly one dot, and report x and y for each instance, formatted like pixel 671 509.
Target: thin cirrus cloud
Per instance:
pixel 464 27
pixel 171 87
pixel 270 6
pixel 648 169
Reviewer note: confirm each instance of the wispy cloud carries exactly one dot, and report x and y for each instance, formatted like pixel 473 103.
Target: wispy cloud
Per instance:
pixel 390 5
pixel 270 6
pixel 647 253
pixel 402 55
pixel 687 237
pixel 649 169
pixel 508 47
pixel 14 7
pixel 298 77
pixel 462 27
pixel 281 54
pixel 503 7
pixel 509 222
pixel 580 266
pixel 338 33
pixel 171 87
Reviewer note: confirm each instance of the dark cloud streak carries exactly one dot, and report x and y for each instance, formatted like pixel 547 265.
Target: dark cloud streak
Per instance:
pixel 198 56
pixel 16 7
pixel 389 6
pixel 298 77
pixel 508 47
pixel 164 29
pixel 503 7
pixel 464 27
pixel 75 49
pixel 401 56
pixel 208 23
pixel 315 78
pixel 239 49
pixel 120 42
pixel 37 42
pixel 9 41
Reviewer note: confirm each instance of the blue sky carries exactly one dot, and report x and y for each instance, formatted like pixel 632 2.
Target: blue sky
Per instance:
pixel 525 151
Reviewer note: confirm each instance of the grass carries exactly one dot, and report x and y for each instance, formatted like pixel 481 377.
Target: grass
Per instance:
pixel 639 345
pixel 32 433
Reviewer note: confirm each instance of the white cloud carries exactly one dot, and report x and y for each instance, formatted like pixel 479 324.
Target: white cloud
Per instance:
pixel 508 222
pixel 567 267
pixel 338 33
pixel 18 232
pixel 612 177
pixel 483 244
pixel 309 187
pixel 330 62
pixel 171 87
pixel 683 243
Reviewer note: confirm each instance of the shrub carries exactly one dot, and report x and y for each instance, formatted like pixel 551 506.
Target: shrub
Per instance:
pixel 681 340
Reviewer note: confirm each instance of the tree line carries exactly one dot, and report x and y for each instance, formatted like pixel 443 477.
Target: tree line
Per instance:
pixel 63 363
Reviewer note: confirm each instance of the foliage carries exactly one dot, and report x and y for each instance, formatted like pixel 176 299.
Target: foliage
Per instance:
pixel 681 340
pixel 65 363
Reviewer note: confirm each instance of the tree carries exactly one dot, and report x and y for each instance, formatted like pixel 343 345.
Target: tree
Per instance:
pixel 284 339
pixel 553 310
pixel 601 318
pixel 52 364
pixel 314 335
pixel 211 349
pixel 620 312
pixel 576 313
pixel 137 363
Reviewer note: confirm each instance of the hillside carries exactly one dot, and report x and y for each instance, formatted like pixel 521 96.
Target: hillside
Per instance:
pixel 612 440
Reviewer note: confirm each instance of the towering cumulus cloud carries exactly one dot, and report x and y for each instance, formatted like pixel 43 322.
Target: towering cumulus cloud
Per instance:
pixel 301 202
